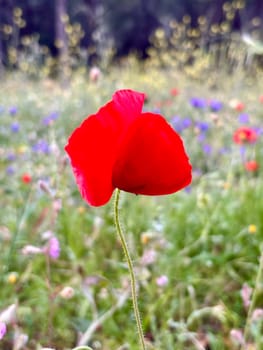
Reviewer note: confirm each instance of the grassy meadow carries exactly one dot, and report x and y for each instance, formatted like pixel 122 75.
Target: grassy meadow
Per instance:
pixel 197 253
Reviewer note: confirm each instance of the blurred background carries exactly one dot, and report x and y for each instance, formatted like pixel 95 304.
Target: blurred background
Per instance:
pixel 92 29
pixel 198 254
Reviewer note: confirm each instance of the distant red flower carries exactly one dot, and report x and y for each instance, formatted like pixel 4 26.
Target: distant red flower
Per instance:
pixel 239 106
pixel 245 135
pixel 121 147
pixel 174 92
pixel 26 178
pixel 251 165
pixel 261 98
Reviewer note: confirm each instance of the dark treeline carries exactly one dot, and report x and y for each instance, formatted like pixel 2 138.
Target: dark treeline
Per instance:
pixel 126 24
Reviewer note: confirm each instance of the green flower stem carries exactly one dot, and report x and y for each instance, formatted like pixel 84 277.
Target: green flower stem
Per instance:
pixel 256 292
pixel 131 270
pixel 20 223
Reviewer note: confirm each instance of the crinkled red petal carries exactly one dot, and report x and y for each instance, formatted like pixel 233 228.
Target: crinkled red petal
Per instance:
pixel 90 150
pixel 152 159
pixel 129 104
pixel 93 145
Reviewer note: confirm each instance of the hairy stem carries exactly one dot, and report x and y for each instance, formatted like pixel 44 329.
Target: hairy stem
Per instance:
pixel 131 270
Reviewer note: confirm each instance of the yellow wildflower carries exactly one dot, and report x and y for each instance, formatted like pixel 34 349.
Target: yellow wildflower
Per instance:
pixel 12 277
pixel 252 228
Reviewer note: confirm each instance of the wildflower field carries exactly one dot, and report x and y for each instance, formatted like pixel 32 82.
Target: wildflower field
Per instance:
pixel 197 254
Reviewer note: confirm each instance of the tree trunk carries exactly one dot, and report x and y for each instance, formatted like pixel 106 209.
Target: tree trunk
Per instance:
pixel 1 59
pixel 61 41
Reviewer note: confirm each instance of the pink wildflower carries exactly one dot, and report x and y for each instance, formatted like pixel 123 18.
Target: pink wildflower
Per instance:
pixel 237 336
pixel 162 281
pixel 53 248
pixel 246 293
pixel 3 330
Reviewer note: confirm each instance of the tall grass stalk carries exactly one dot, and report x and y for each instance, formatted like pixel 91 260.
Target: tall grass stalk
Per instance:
pixel 257 291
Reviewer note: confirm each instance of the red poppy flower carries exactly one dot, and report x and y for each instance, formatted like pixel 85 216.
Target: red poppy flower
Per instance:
pixel 251 165
pixel 121 147
pixel 174 92
pixel 239 107
pixel 26 178
pixel 245 135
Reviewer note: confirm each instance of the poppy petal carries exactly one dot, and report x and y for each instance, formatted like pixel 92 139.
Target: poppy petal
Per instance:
pixel 92 149
pixel 119 114
pixel 92 146
pixel 129 104
pixel 152 159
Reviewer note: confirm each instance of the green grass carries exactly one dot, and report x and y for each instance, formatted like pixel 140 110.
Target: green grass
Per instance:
pixel 198 238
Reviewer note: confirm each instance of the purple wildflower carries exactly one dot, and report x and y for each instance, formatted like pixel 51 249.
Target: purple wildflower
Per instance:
pixel 198 102
pixel 177 123
pixel 201 137
pixel 41 147
pixel 50 118
pixel 180 124
pixel 215 105
pixel 224 150
pixel 243 118
pixel 188 189
pixel 175 120
pixel 10 170
pixel 259 130
pixel 11 157
pixel 15 127
pixel 13 110
pixel 202 126
pixel 207 149
pixel 186 123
